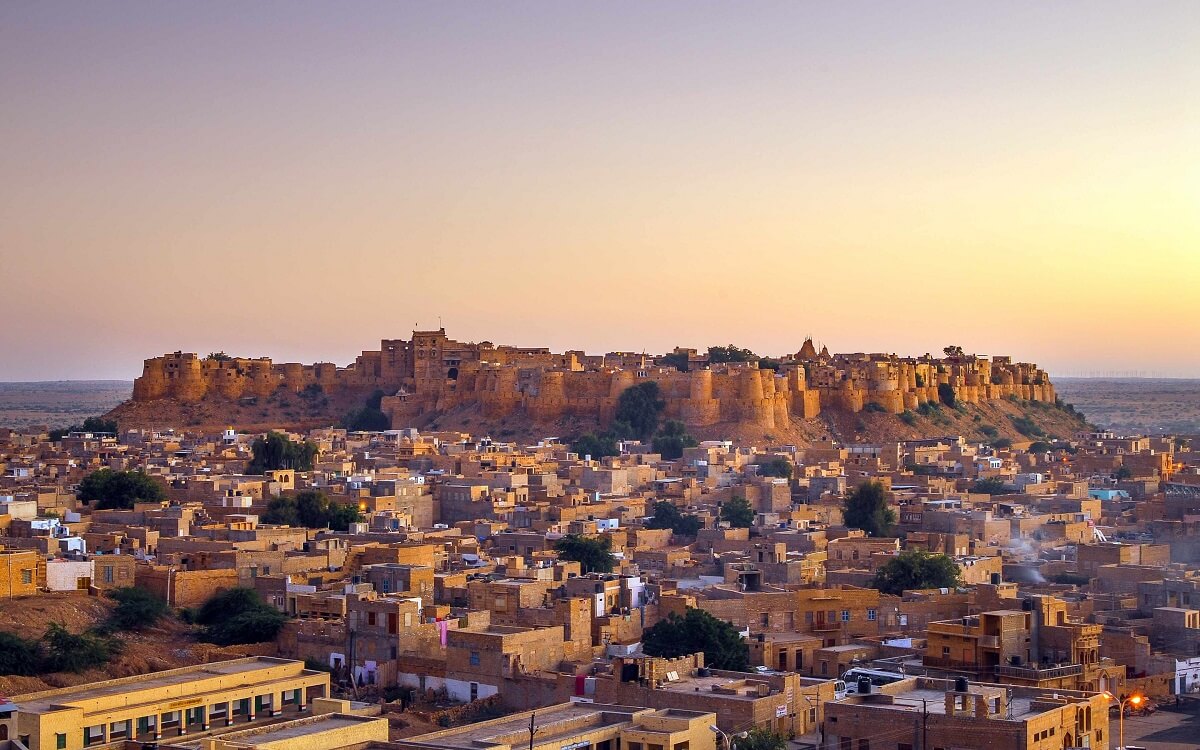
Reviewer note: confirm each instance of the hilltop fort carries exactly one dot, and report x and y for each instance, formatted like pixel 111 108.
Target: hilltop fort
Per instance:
pixel 431 374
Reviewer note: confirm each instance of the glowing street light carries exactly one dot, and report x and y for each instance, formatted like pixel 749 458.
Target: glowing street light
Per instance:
pixel 1134 700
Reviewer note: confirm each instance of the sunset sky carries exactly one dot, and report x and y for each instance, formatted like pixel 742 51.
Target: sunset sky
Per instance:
pixel 300 180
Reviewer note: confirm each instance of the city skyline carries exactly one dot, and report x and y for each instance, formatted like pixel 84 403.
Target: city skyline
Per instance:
pixel 299 182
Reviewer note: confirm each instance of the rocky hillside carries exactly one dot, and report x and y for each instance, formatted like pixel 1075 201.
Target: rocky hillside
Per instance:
pixel 168 645
pixel 1018 421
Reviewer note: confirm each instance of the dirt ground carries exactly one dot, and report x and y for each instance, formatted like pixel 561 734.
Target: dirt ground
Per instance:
pixel 168 645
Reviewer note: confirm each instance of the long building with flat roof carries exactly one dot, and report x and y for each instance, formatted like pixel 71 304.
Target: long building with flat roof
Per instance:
pixel 165 705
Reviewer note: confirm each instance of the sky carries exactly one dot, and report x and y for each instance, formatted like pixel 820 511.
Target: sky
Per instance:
pixel 300 180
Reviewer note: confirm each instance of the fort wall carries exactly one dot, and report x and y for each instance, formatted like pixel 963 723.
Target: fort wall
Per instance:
pixel 431 373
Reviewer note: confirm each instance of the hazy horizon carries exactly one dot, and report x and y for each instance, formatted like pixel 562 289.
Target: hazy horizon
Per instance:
pixel 302 180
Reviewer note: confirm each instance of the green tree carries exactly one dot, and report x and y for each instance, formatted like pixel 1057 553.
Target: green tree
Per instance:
pixel 276 451
pixel 760 738
pixel 136 608
pixel 867 508
pixel 697 630
pixel 77 652
pixel 672 439
pixel 730 353
pixel 239 615
pixel 777 466
pixel 990 486
pixel 953 352
pixel 1040 446
pixel 370 418
pixel 596 446
pixel 946 394
pixel 916 569
pixel 311 509
pixel 119 489
pixel 638 409
pixel 667 516
pixel 1123 472
pixel 738 513
pixel 594 555
pixel 218 357
pixel 18 655
pixel 678 360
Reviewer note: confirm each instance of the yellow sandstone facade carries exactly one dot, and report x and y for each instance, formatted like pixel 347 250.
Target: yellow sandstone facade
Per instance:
pixel 431 373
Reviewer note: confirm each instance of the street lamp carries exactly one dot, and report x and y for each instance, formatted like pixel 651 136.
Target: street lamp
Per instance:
pixel 1134 700
pixel 719 733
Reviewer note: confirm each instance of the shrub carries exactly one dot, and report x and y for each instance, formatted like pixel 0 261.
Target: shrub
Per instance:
pixel 908 418
pixel 76 652
pixel 136 608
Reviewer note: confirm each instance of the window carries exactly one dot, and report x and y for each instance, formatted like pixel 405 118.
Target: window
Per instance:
pixel 474 691
pixel 60 741
pixel 871 615
pixel 764 619
pixel 26 576
pixel 946 651
pixel 118 730
pixel 864 745
pixel 108 574
pixel 682 745
pixel 633 746
pixel 408 619
pixel 808 618
pixel 845 615
pixel 93 735
pixel 474 659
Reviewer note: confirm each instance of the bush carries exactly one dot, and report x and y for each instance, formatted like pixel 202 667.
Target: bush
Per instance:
pixel 874 408
pixel 990 486
pixel 667 516
pixel 1027 427
pixel 18 655
pixel 239 615
pixel 777 466
pixel 136 608
pixel 946 394
pixel 596 446
pixel 908 418
pixel 71 652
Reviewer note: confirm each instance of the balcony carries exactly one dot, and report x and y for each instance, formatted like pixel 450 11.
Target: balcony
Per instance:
pixel 1040 674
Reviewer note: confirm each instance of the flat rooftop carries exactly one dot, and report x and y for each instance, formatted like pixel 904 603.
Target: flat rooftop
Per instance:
pixel 128 687
pixel 551 727
pixel 910 701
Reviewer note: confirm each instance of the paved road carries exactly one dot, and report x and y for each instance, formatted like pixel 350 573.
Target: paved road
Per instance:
pixel 1162 730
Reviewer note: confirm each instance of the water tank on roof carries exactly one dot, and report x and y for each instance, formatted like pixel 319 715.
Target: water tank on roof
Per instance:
pixel 960 684
pixel 864 685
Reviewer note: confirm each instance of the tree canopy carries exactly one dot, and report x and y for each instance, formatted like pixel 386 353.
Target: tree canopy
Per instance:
pixel 667 516
pixel 76 652
pixel 276 451
pixel 776 466
pixel 369 418
pixel 594 555
pixel 697 630
pixel 239 615
pixel 312 509
pixel 136 608
pixel 916 569
pixel 760 738
pixel 946 394
pixel 638 409
pixel 596 445
pixel 990 486
pixel 672 439
pixel 867 508
pixel 119 489
pixel 730 353
pixel 738 513
pixel 19 655
pixel 91 424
